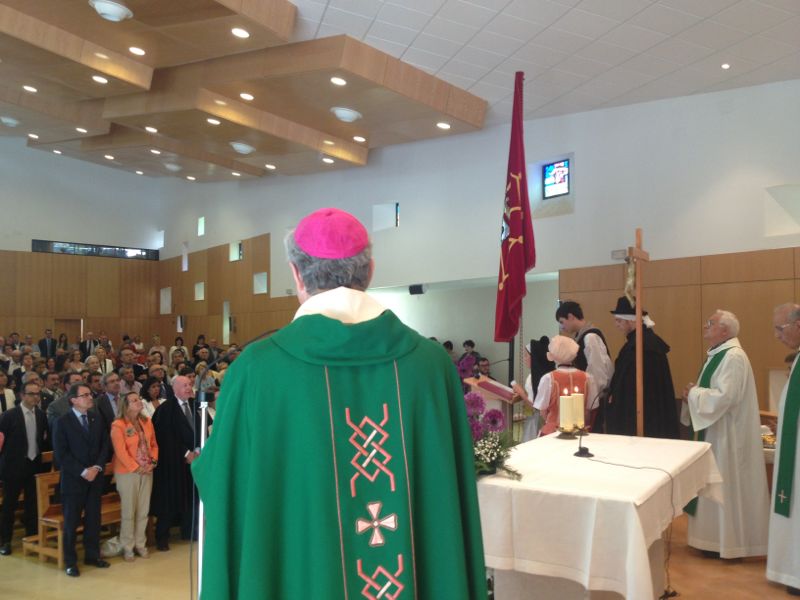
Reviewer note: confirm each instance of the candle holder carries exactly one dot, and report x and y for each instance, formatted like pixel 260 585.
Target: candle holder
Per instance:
pixel 583 451
pixel 566 434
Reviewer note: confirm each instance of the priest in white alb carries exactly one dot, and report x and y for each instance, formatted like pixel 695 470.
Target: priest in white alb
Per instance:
pixel 722 409
pixel 783 560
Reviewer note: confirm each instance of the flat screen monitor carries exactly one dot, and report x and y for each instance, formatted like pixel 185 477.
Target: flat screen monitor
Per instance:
pixel 555 179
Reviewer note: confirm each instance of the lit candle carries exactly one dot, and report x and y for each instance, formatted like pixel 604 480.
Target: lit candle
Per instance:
pixel 565 409
pixel 578 408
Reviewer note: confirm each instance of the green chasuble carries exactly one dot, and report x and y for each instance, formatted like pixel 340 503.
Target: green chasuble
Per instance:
pixel 340 467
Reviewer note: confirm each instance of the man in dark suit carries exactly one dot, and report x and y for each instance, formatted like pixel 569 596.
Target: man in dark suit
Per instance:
pixel 47 345
pixel 88 346
pixel 82 448
pixel 107 403
pixel 173 501
pixel 23 431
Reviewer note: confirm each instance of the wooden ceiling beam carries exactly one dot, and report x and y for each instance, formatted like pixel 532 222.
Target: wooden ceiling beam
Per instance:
pixel 276 15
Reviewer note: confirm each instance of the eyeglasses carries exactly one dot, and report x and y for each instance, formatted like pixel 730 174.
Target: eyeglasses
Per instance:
pixel 30 393
pixel 84 395
pixel 780 328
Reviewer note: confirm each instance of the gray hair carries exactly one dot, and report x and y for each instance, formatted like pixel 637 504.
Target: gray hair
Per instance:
pixel 109 375
pixel 729 321
pixel 320 274
pixel 792 311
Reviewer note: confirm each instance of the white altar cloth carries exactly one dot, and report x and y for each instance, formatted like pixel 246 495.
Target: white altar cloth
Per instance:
pixel 589 522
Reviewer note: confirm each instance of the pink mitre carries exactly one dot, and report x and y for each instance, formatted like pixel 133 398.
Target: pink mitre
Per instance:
pixel 331 233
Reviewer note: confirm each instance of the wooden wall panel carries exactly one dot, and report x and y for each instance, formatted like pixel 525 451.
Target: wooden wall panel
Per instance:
pixel 198 271
pixel 672 272
pixel 753 303
pixel 608 277
pixel 69 285
pixel 33 284
pixel 103 287
pixel 33 326
pixel 109 325
pixel 8 267
pixel 261 258
pixel 138 291
pixel 761 265
pixel 220 280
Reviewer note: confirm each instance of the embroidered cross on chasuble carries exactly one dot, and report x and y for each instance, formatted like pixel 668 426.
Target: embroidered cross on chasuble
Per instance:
pixel 784 482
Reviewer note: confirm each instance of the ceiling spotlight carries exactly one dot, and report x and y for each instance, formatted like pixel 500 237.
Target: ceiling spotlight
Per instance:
pixel 338 81
pixel 140 172
pixel 347 115
pixel 213 121
pixel 56 151
pixel 9 121
pixel 108 157
pixel 327 160
pixel 99 79
pixel 246 96
pixel 111 10
pixel 328 142
pixel 235 174
pixel 81 130
pixel 154 151
pixel 220 102
pixel 443 125
pixel 101 55
pixel 725 66
pixel 33 136
pixel 240 33
pixel 359 139
pixel 150 129
pixel 270 167
pixel 191 177
pixel 30 89
pixel 242 148
pixel 172 167
pixel 137 51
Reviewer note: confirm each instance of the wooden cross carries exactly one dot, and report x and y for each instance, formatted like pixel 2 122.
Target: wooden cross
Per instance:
pixel 783 497
pixel 639 256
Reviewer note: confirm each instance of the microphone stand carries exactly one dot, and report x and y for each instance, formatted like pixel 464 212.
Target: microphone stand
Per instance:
pixel 203 405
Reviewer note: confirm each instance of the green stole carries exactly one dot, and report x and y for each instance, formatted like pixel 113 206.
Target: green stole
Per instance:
pixel 788 439
pixel 700 436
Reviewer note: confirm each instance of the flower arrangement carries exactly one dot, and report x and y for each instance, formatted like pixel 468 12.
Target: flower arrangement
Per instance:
pixel 491 446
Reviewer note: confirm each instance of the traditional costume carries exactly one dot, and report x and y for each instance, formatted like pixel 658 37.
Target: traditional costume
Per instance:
pixel 724 412
pixel 341 464
pixel 783 559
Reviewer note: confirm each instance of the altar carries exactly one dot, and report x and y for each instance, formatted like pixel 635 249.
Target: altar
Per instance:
pixel 575 524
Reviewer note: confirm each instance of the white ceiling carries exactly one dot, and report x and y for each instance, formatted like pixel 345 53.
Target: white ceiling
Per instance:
pixel 577 55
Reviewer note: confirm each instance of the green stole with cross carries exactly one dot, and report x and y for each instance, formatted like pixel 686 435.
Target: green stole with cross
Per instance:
pixel 788 444
pixel 700 436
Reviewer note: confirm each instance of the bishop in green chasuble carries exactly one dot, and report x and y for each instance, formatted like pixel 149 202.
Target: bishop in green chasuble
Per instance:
pixel 340 465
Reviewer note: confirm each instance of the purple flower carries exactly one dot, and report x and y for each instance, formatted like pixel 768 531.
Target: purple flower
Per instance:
pixel 493 420
pixel 475 404
pixel 477 429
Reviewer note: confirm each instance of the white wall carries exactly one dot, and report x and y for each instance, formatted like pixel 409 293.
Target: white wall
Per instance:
pixel 453 314
pixel 690 171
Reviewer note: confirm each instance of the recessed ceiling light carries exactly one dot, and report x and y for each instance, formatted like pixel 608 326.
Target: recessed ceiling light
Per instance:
pixel 99 79
pixel 240 33
pixel 137 51
pixel 725 66
pixel 140 172
pixel 29 88
pixel 338 81
pixel 154 151
pixel 191 177
pixel 246 96
pixel 220 102
pixel 359 139
pixel 235 174
pixel 242 148
pixel 150 129
pixel 327 160
pixel 270 167
pixel 9 121
pixel 81 130
pixel 443 125
pixel 213 121
pixel 33 136
pixel 111 10
pixel 108 157
pixel 172 167
pixel 56 151
pixel 346 115
pixel 328 143
pixel 101 55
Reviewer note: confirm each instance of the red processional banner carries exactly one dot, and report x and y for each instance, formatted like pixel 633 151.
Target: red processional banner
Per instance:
pixel 517 249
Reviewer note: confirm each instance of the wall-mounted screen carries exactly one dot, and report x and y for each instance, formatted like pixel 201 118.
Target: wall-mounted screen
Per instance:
pixel 555 179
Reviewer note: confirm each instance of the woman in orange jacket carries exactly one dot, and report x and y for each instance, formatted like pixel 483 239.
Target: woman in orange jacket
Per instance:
pixel 135 457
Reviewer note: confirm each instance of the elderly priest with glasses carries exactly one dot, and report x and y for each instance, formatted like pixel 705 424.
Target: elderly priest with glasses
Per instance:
pixel 722 409
pixel 340 465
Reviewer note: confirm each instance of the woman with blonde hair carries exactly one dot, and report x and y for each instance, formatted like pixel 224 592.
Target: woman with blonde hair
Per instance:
pixel 135 457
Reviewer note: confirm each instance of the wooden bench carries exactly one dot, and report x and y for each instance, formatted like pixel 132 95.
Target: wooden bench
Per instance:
pixel 49 542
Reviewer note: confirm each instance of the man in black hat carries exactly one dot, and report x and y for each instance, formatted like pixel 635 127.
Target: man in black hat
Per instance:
pixel 660 407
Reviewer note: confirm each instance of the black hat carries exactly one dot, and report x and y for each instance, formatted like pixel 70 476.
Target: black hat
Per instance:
pixel 624 307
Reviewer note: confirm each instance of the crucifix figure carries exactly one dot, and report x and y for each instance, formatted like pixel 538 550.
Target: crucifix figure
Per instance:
pixel 783 497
